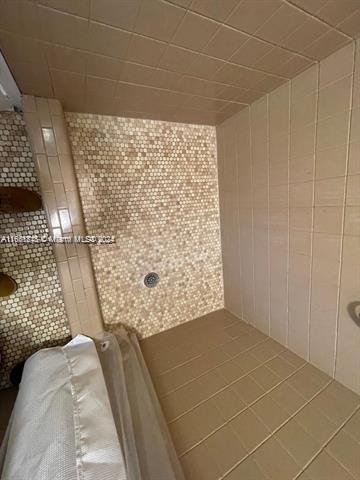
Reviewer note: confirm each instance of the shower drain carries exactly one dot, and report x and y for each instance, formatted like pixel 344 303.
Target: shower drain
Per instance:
pixel 151 280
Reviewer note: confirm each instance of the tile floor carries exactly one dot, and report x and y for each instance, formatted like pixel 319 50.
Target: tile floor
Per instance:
pixel 240 406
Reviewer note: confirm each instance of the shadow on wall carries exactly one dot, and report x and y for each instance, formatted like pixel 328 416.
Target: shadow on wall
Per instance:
pixel 354 311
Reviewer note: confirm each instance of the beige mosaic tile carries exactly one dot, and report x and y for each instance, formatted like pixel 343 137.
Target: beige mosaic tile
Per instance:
pixel 153 185
pixel 34 316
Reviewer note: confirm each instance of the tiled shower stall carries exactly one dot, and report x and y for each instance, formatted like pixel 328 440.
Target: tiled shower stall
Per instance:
pixel 249 212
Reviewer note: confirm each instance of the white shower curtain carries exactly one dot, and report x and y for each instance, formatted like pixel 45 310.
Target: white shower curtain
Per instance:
pixel 144 436
pixel 86 413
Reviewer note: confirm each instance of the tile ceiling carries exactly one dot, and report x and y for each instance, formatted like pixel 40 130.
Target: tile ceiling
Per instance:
pixel 196 61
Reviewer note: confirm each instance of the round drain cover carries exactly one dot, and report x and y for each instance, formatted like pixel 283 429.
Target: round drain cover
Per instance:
pixel 151 280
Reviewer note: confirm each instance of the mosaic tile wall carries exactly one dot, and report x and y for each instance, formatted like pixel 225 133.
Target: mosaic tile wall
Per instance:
pixel 34 316
pixel 153 185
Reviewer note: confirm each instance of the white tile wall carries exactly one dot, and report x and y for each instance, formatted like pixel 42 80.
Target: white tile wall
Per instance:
pixel 291 213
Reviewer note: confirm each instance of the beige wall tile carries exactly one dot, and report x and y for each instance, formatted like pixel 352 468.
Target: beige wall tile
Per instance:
pixel 106 40
pixel 305 83
pixel 301 218
pixel 55 106
pixel 355 125
pixel 63 29
pixel 333 131
pixel 282 23
pixel 55 171
pixel 335 98
pixel 352 221
pixel 326 44
pixel 331 162
pixel 74 268
pixel 62 142
pixel 330 192
pixel 51 209
pixel 29 104
pixel 49 141
pixel 298 335
pixel 225 43
pixel 279 148
pixel 279 173
pixel 303 111
pixel 60 196
pixel 33 125
pixel 354 158
pixel 167 18
pixel 302 142
pixel 44 173
pixel 65 220
pixel 300 242
pixel 44 113
pixel 337 65
pixel 301 169
pixel 328 219
pixel 67 172
pixel 353 190
pixel 299 192
pixel 112 13
pixel 47 124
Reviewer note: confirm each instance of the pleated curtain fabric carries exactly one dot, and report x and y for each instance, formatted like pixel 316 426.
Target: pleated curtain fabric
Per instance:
pixel 88 411
pixel 143 433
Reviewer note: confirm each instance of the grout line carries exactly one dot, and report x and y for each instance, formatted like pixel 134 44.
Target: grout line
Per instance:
pixel 47 43
pixel 224 388
pixel 253 319
pixel 207 350
pixel 197 52
pixel 268 211
pixel 344 212
pixel 328 117
pixel 337 80
pixel 248 137
pixel 177 91
pixel 279 427
pixel 246 407
pixel 288 223
pixel 327 443
pixel 215 367
pixel 320 20
pixel 168 43
pixel 169 90
pixel 236 380
pixel 239 225
pixel 312 231
pixel 249 35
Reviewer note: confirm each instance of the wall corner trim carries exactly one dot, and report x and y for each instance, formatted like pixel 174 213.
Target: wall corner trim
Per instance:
pixel 46 127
